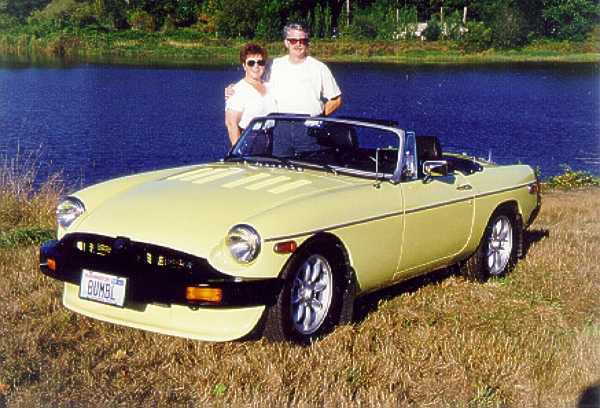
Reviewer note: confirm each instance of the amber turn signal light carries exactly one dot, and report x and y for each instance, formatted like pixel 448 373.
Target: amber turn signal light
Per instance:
pixel 286 247
pixel 51 264
pixel 203 294
pixel 533 188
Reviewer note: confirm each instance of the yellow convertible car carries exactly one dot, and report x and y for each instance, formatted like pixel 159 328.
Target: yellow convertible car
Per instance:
pixel 304 215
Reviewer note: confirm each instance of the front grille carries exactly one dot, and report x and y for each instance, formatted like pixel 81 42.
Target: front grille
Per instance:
pixel 126 257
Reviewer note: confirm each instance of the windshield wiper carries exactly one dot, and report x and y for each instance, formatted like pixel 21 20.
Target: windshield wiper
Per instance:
pixel 316 165
pixel 270 158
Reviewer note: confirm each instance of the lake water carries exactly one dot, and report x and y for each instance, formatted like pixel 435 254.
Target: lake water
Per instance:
pixel 94 122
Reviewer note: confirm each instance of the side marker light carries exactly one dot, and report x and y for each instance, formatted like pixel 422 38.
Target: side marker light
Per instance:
pixel 51 264
pixel 286 247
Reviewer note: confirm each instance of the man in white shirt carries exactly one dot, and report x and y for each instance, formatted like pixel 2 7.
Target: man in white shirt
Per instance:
pixel 299 82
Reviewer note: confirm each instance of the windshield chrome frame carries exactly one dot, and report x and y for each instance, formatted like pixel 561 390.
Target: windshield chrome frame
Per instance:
pixel 394 178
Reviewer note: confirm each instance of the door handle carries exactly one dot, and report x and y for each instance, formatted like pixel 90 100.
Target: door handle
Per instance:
pixel 464 187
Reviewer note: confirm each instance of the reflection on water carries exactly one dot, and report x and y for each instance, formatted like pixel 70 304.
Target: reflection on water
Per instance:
pixel 99 121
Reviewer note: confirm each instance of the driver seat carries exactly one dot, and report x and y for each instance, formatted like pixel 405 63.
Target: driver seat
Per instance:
pixel 338 135
pixel 428 148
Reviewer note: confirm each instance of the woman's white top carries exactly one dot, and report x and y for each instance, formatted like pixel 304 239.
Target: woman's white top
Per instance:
pixel 250 102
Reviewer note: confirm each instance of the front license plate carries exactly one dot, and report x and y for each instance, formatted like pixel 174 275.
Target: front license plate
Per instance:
pixel 102 287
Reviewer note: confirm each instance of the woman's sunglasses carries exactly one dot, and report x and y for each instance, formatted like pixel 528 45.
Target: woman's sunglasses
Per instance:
pixel 294 41
pixel 251 62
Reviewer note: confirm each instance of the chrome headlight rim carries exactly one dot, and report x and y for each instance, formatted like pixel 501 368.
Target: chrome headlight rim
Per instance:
pixel 244 243
pixel 69 209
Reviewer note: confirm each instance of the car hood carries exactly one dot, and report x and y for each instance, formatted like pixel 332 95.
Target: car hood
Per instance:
pixel 192 210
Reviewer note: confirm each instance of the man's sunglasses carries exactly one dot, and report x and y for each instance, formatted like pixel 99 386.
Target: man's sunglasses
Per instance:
pixel 251 62
pixel 294 41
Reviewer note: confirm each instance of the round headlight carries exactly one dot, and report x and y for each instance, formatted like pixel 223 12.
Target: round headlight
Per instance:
pixel 68 211
pixel 243 243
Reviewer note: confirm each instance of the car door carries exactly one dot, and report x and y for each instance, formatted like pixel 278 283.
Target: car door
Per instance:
pixel 438 218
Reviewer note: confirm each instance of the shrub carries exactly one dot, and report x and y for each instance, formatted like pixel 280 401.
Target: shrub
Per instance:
pixel 433 30
pixel 84 15
pixel 168 26
pixel 374 22
pixel 7 22
pixel 55 15
pixel 452 26
pixel 141 20
pixel 478 37
pixel 571 179
pixel 407 22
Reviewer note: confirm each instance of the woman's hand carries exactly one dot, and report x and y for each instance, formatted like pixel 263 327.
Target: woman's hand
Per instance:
pixel 229 91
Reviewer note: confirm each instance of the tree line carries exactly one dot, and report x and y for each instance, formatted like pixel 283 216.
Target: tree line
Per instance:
pixel 498 23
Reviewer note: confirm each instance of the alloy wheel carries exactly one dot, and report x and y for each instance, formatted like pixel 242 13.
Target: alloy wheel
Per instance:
pixel 312 291
pixel 500 245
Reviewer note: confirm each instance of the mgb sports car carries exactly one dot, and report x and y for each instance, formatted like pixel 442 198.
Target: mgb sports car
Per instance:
pixel 303 216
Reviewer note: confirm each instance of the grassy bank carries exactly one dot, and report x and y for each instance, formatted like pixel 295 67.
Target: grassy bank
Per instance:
pixel 187 47
pixel 530 339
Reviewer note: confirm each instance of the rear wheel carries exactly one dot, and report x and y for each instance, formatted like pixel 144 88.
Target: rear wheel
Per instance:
pixel 498 251
pixel 310 302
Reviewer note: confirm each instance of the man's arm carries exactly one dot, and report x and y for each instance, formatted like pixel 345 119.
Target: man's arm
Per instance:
pixel 232 121
pixel 332 105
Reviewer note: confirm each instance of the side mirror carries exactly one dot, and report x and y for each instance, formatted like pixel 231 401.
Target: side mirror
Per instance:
pixel 435 168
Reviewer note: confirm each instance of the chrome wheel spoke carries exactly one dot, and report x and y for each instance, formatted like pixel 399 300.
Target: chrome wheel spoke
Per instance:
pixel 316 271
pixel 490 260
pixel 320 287
pixel 497 261
pixel 306 273
pixel 316 304
pixel 498 229
pixel 299 313
pixel 309 316
pixel 504 227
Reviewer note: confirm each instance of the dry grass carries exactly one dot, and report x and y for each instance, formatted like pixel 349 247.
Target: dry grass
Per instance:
pixel 530 339
pixel 21 204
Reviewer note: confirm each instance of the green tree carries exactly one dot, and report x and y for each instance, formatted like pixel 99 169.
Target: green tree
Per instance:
pixel 570 19
pixel 375 21
pixel 112 12
pixel 271 19
pixel 509 28
pixel 21 9
pixel 186 12
pixel 238 18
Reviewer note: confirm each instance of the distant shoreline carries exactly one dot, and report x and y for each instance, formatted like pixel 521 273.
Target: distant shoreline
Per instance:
pixel 163 49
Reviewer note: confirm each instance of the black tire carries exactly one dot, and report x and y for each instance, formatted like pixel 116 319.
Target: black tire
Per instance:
pixel 282 319
pixel 499 249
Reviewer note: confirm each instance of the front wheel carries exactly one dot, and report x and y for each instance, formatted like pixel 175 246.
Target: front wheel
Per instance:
pixel 309 303
pixel 498 251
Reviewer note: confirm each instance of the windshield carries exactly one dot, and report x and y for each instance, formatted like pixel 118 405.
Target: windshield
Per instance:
pixel 333 145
